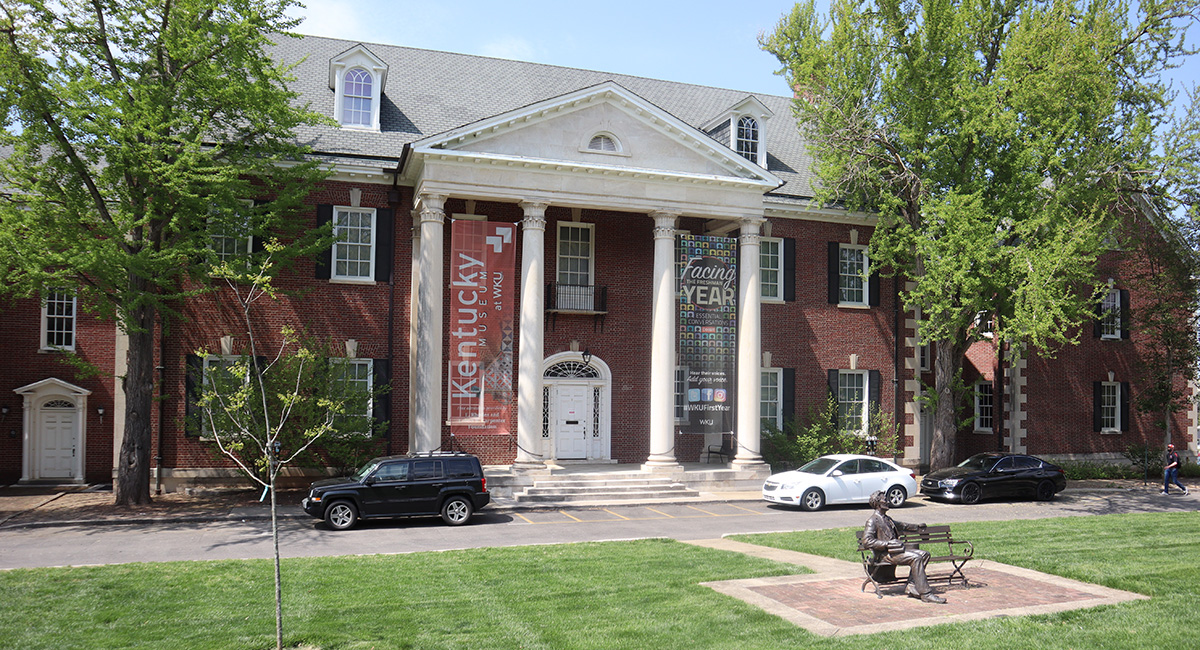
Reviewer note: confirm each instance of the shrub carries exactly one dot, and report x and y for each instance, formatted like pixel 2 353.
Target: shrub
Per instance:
pixel 797 443
pixel 1146 460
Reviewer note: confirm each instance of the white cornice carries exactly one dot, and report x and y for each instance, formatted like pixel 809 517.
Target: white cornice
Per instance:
pixel 476 158
pixel 812 212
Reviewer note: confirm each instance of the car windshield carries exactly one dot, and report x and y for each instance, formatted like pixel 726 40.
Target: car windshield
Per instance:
pixel 818 466
pixel 362 474
pixel 979 462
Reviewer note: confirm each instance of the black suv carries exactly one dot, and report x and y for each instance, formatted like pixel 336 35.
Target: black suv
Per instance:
pixel 449 484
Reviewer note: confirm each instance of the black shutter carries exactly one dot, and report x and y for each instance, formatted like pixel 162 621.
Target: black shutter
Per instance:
pixel 382 403
pixel 874 389
pixel 1124 406
pixel 872 286
pixel 788 269
pixel 385 243
pixel 1098 325
pixel 258 234
pixel 787 398
pixel 324 257
pixel 1097 391
pixel 833 274
pixel 1126 322
pixel 833 396
pixel 193 378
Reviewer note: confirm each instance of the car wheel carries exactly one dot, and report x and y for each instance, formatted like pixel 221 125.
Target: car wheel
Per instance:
pixel 1045 491
pixel 971 492
pixel 341 515
pixel 896 496
pixel 456 511
pixel 812 499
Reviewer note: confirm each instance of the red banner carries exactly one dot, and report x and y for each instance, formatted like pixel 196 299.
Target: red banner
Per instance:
pixel 479 389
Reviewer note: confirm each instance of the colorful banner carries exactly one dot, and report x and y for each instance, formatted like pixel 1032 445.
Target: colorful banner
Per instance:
pixel 482 292
pixel 708 287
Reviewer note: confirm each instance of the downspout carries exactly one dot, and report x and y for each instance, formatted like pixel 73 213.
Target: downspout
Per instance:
pixel 394 203
pixel 896 351
pixel 162 402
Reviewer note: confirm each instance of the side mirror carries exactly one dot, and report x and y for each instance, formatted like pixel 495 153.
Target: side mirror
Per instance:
pixel 370 480
pixel 837 472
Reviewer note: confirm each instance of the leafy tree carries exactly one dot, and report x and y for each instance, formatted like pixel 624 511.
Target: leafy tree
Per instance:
pixel 800 441
pixel 266 409
pixel 132 131
pixel 992 138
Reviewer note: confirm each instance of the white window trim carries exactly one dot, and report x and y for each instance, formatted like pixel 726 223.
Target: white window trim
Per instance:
pixel 1116 385
pixel 333 261
pixel 866 277
pixel 760 120
pixel 621 150
pixel 979 406
pixel 357 57
pixel 866 400
pixel 924 357
pixel 205 363
pixel 778 241
pixel 778 373
pixel 370 367
pixel 45 338
pixel 558 256
pixel 1110 307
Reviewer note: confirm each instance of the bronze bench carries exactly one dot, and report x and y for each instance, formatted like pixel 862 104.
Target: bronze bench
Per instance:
pixel 945 549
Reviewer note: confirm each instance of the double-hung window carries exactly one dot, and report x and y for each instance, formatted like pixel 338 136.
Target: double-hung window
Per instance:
pixel 747 138
pixel 853 268
pixel 222 377
pixel 576 266
pixel 357 382
pixel 983 407
pixel 1110 315
pixel 1110 407
pixel 353 244
pixel 852 401
pixel 771 268
pixel 356 98
pixel 233 239
pixel 771 396
pixel 58 320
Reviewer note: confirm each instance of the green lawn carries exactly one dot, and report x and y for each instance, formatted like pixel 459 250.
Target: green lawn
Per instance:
pixel 641 594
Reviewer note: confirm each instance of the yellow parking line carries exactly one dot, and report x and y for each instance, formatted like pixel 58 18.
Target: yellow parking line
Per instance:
pixel 615 514
pixel 661 513
pixel 570 515
pixel 705 511
pixel 756 512
pixel 527 519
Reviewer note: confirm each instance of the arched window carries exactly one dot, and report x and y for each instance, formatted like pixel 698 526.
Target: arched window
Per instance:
pixel 747 138
pixel 356 98
pixel 603 142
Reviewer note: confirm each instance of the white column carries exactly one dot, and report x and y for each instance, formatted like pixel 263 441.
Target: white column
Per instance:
pixel 529 362
pixel 749 427
pixel 428 387
pixel 415 279
pixel 662 347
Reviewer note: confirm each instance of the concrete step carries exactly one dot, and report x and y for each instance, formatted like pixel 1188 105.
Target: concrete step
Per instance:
pixel 604 496
pixel 603 488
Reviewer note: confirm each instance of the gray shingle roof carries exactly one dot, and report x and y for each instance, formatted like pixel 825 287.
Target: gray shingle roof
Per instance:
pixel 429 92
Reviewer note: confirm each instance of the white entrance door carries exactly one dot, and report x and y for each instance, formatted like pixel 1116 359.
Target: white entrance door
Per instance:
pixel 59 437
pixel 571 418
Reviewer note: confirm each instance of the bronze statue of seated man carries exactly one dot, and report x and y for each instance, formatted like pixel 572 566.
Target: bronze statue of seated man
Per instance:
pixel 881 537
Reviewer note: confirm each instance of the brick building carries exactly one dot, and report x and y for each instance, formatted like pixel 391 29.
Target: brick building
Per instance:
pixel 587 182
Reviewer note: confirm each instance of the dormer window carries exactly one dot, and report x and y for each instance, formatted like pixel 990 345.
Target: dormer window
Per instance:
pixel 357 78
pixel 747 138
pixel 356 98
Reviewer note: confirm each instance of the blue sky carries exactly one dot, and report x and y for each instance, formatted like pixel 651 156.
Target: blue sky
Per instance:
pixel 701 41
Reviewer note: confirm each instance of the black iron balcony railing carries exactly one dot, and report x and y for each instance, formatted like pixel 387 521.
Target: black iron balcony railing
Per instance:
pixel 576 299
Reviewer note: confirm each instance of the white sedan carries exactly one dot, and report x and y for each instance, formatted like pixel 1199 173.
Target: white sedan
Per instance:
pixel 840 478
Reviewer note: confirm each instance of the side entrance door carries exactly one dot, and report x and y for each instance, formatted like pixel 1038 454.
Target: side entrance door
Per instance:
pixel 59 435
pixel 571 421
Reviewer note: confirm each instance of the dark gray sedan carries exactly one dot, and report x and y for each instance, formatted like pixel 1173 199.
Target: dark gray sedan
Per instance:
pixel 995 475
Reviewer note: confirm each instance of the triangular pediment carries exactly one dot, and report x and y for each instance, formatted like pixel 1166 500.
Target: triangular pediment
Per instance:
pixel 605 127
pixel 51 385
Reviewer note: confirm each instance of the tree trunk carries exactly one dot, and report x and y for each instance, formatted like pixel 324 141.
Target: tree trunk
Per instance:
pixel 947 361
pixel 133 469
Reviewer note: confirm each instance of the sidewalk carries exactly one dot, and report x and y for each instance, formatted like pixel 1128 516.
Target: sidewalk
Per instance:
pixel 35 506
